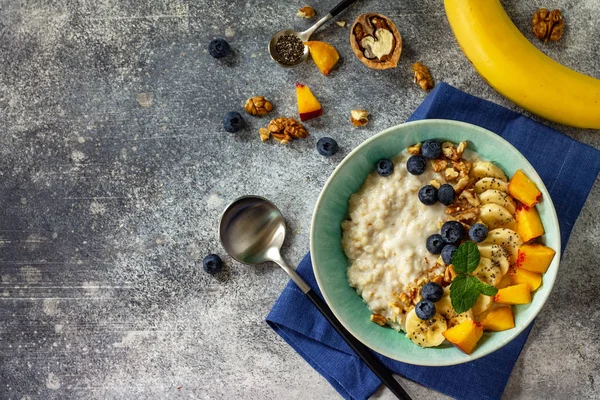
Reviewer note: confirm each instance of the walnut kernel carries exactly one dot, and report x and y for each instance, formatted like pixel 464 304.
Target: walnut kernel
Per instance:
pixel 378 319
pixel 258 106
pixel 359 117
pixel 415 148
pixel 547 25
pixel 306 12
pixel 422 76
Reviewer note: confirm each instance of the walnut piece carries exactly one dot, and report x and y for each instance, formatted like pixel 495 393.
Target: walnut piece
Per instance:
pixel 378 319
pixel 341 23
pixel 415 149
pixel 450 174
pixel 258 106
pixel 359 117
pixel 283 130
pixel 376 41
pixel 435 183
pixel 548 25
pixel 306 12
pixel 422 76
pixel 439 164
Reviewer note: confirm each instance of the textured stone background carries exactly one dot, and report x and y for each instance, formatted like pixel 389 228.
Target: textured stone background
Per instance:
pixel 108 207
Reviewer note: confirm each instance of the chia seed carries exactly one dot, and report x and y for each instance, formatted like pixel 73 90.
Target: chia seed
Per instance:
pixel 290 49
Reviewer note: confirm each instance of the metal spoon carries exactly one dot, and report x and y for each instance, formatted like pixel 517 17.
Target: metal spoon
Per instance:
pixel 304 36
pixel 252 231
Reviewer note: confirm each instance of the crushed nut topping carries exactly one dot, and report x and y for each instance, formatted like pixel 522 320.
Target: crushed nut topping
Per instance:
pixel 359 117
pixel 258 106
pixel 306 12
pixel 548 25
pixel 422 76
pixel 435 183
pixel 462 184
pixel 378 319
pixel 450 174
pixel 439 164
pixel 415 148
pixel 284 130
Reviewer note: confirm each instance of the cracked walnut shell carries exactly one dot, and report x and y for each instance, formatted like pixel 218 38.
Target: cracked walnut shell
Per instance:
pixel 376 41
pixel 258 106
pixel 547 24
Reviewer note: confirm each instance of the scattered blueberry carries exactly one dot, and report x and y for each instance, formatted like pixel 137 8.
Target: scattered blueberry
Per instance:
pixel 478 232
pixel 212 264
pixel 416 165
pixel 428 195
pixel 447 253
pixel 432 291
pixel 327 147
pixel 431 149
pixel 435 243
pixel 425 309
pixel 218 48
pixel 385 167
pixel 446 194
pixel 453 232
pixel 233 122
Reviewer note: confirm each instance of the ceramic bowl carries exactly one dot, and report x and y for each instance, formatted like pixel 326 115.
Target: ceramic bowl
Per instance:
pixel 330 263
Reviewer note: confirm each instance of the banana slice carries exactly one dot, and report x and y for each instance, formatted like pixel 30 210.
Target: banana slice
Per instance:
pixel 507 239
pixel 488 272
pixel 485 169
pixel 482 304
pixel 496 253
pixel 425 333
pixel 495 216
pixel 493 196
pixel 444 307
pixel 490 183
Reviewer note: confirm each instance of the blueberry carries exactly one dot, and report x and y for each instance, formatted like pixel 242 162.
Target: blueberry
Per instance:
pixel 385 167
pixel 431 149
pixel 218 48
pixel 446 194
pixel 233 122
pixel 425 309
pixel 327 147
pixel 416 165
pixel 432 291
pixel 478 232
pixel 212 264
pixel 447 253
pixel 453 232
pixel 435 243
pixel 428 195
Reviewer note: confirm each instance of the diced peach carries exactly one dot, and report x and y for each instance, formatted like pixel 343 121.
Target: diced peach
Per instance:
pixel 504 282
pixel 535 257
pixel 499 319
pixel 324 55
pixel 465 335
pixel 519 275
pixel 308 105
pixel 524 189
pixel 529 224
pixel 514 294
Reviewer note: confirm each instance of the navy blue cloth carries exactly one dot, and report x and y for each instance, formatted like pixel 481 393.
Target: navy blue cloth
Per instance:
pixel 568 169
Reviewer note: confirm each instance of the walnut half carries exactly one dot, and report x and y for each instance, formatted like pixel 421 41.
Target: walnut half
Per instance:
pixel 376 41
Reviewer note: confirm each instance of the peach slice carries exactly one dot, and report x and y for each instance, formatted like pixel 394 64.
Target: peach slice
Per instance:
pixel 524 189
pixel 519 275
pixel 535 257
pixel 499 319
pixel 529 224
pixel 308 105
pixel 324 55
pixel 514 294
pixel 465 335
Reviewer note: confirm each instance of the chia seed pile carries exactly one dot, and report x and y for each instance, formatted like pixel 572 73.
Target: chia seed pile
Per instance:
pixel 290 49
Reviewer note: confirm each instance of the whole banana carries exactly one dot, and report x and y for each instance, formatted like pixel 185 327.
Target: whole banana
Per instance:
pixel 518 70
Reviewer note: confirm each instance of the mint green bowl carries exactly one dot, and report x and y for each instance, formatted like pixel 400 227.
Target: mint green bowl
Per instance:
pixel 330 263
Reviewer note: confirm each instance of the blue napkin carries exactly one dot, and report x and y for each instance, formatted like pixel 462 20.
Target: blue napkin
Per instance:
pixel 568 169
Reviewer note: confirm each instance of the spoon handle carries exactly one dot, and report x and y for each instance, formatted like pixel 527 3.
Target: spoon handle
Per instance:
pixel 340 7
pixel 361 350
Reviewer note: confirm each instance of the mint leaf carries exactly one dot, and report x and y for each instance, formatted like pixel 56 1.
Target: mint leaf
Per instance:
pixel 488 290
pixel 466 258
pixel 464 291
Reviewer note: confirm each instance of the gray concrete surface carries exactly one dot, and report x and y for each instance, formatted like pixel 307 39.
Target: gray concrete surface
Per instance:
pixel 107 207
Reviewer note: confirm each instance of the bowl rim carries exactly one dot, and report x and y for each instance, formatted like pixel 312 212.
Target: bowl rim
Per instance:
pixel 467 357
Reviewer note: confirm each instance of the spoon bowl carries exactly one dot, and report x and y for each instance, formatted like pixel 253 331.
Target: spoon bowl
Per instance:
pixel 275 54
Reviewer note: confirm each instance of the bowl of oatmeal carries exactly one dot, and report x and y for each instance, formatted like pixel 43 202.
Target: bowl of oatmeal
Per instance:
pixel 370 238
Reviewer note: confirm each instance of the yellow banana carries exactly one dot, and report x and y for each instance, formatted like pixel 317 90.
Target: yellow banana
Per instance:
pixel 518 70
